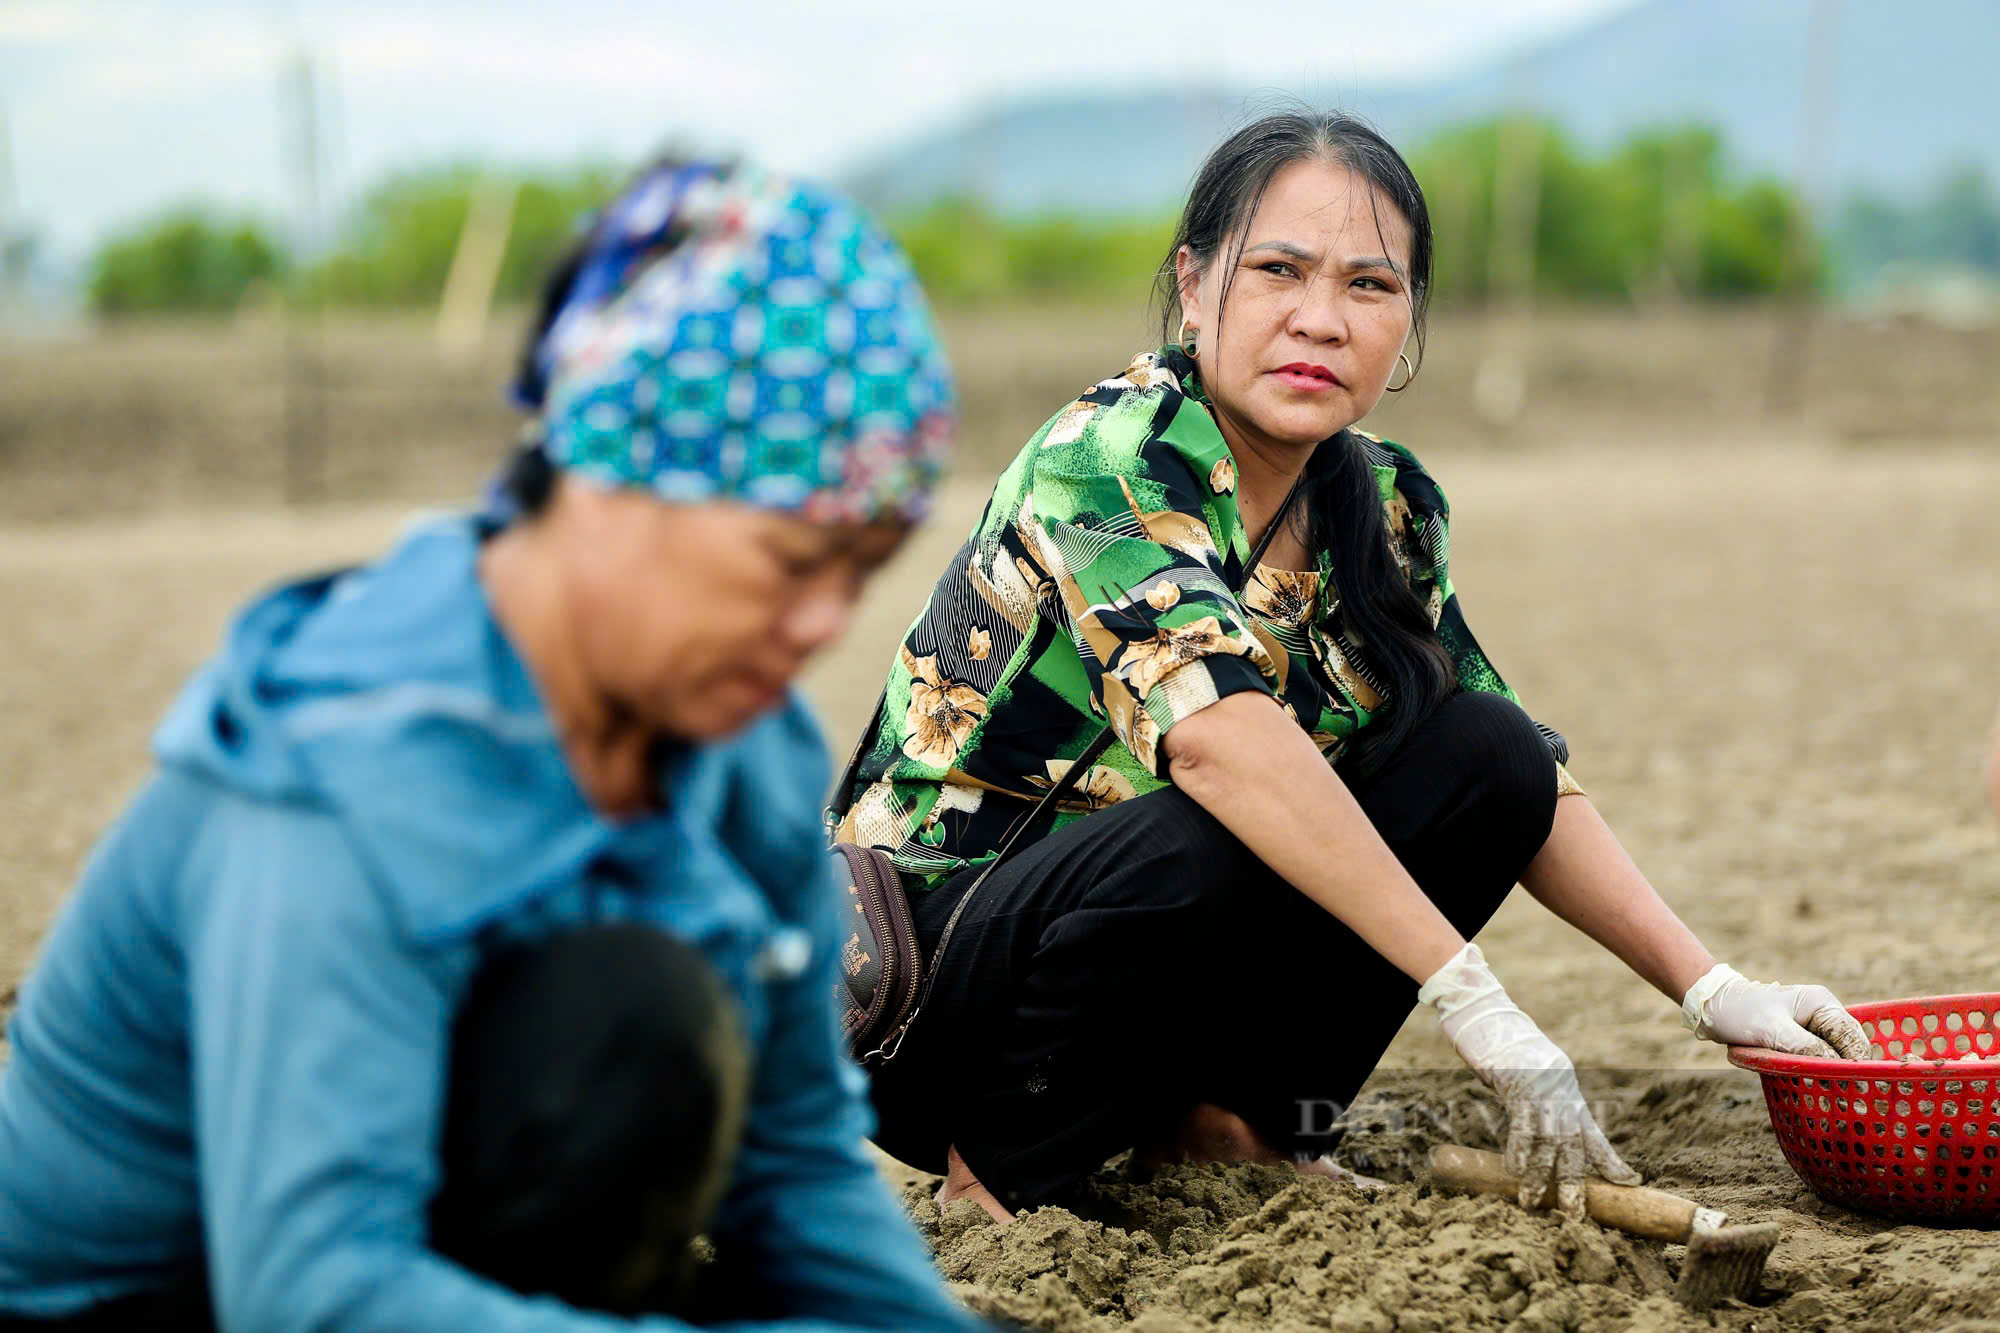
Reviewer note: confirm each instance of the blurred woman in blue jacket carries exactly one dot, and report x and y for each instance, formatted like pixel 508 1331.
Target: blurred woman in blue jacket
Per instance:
pixel 471 948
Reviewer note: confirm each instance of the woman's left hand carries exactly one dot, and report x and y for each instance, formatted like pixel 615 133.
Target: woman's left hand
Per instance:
pixel 1725 1006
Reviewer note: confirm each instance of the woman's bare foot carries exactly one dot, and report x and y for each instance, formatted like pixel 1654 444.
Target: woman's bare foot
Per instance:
pixel 960 1183
pixel 1207 1133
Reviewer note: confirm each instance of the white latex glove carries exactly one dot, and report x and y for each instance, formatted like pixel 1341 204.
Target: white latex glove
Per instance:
pixel 1552 1139
pixel 1726 1006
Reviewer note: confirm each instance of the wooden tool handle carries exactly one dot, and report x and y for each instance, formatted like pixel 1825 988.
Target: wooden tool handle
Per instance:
pixel 1634 1209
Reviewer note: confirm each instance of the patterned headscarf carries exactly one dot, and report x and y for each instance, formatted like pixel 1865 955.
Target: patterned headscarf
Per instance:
pixel 731 334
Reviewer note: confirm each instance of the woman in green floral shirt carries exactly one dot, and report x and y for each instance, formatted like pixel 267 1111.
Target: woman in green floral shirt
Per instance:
pixel 1322 789
pixel 1131 491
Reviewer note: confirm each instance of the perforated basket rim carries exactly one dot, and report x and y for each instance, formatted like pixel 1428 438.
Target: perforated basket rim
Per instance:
pixel 1763 1060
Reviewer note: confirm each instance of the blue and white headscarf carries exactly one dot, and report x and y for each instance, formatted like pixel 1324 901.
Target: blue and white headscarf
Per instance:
pixel 732 334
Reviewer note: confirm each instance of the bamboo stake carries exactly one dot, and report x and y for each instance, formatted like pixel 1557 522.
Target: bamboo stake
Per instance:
pixel 1500 385
pixel 305 380
pixel 469 286
pixel 1798 301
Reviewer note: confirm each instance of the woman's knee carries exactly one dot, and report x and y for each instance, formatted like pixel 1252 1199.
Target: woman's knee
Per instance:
pixel 1175 853
pixel 1498 744
pixel 1136 892
pixel 596 1094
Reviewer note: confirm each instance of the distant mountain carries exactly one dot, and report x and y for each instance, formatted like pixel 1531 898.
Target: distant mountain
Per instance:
pixel 1915 90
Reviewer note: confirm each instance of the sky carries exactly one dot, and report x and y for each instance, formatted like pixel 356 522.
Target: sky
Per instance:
pixel 117 109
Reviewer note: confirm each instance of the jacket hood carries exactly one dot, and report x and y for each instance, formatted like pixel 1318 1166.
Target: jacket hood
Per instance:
pixel 388 696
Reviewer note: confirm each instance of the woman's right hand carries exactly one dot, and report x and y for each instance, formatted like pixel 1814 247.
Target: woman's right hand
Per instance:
pixel 1553 1141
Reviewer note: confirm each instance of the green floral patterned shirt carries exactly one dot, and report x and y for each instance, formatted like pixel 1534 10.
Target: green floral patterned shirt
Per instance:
pixel 1096 588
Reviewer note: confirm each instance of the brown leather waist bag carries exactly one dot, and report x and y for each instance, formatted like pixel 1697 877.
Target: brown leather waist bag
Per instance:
pixel 887 982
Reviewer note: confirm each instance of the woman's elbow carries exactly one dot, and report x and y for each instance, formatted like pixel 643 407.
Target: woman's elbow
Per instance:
pixel 1993 769
pixel 1188 758
pixel 1212 751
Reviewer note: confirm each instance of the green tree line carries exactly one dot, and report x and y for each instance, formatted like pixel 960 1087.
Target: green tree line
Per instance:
pixel 967 254
pixel 395 250
pixel 1955 224
pixel 398 248
pixel 1658 213
pixel 189 260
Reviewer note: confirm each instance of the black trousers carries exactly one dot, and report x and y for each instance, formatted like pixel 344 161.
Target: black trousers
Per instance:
pixel 596 1097
pixel 1141 961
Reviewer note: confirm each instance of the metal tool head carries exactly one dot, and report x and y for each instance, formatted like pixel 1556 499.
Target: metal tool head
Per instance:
pixel 1724 1262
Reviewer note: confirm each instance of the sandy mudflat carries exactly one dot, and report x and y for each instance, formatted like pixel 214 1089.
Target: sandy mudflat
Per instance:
pixel 1773 643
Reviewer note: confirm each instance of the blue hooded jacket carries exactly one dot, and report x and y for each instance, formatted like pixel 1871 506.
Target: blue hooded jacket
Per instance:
pixel 235 1044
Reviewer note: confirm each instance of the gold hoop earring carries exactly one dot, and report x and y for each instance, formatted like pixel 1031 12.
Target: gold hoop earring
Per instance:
pixel 1409 374
pixel 1187 344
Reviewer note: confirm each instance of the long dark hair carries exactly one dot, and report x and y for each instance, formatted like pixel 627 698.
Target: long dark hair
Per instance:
pixel 1342 510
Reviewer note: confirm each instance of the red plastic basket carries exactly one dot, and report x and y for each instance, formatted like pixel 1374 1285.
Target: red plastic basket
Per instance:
pixel 1913 1133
